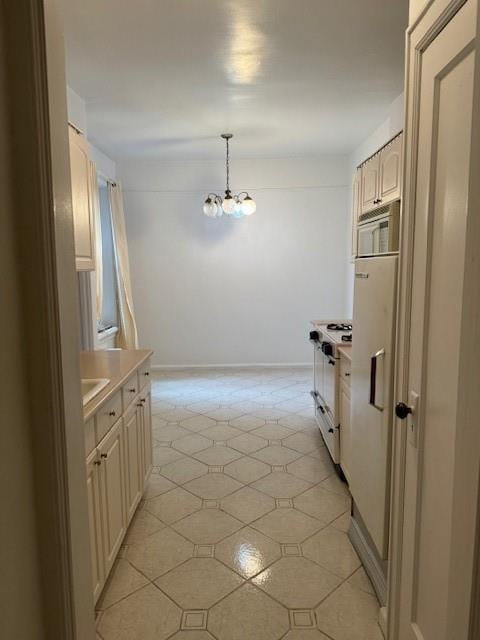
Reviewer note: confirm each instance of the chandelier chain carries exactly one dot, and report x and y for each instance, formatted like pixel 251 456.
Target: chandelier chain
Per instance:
pixel 228 166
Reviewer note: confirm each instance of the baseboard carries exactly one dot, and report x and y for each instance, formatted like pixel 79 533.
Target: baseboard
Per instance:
pixel 369 561
pixel 240 365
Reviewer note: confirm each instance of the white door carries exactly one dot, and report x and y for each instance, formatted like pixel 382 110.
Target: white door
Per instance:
pixel 112 479
pixel 371 393
pixel 133 443
pixel 370 183
pixel 95 525
pixel 391 171
pixel 440 335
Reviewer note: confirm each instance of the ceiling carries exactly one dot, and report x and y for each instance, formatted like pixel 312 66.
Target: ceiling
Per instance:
pixel 163 78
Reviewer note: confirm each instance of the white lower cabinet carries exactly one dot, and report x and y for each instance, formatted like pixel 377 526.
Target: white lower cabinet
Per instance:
pixel 133 436
pixel 94 521
pixel 345 430
pixel 112 481
pixel 117 469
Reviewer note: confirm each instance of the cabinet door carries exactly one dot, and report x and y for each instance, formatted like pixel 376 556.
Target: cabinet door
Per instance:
pixel 95 525
pixel 345 430
pixel 391 171
pixel 146 400
pixel 370 184
pixel 112 478
pixel 133 437
pixel 83 218
pixel 356 208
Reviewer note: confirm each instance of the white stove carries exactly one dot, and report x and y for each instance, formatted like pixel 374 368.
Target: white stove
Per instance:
pixel 326 338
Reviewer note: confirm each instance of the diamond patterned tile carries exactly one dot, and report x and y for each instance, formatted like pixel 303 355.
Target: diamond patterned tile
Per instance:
pixel 321 504
pixel 225 413
pixel 247 423
pixel 194 620
pixel 207 526
pixel 281 485
pixel 213 486
pixel 349 614
pixel 175 415
pixel 247 469
pixel 146 614
pixel 288 525
pixel 124 580
pixel 272 431
pixel 304 442
pixel 174 505
pixel 157 485
pixel 198 423
pixel 183 470
pixel 221 431
pixel 248 443
pixel 159 553
pixel 193 634
pixel 360 580
pixel 192 443
pixel 333 550
pixel 218 455
pixel 164 455
pixel 268 413
pixel 296 422
pixel 143 524
pixel 277 455
pixel 343 522
pixel 248 613
pixel 311 469
pixel 247 504
pixel 247 551
pixel 312 583
pixel 333 483
pixel 302 634
pixel 199 583
pixel 302 619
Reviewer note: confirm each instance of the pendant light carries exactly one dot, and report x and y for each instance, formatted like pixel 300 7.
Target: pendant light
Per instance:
pixel 231 205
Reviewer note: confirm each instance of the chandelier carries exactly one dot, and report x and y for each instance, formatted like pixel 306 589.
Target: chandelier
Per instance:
pixel 232 205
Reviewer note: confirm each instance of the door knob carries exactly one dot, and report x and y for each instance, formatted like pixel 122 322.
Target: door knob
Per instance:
pixel 402 410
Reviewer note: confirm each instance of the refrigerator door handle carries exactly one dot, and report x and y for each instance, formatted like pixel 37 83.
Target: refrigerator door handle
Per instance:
pixel 373 379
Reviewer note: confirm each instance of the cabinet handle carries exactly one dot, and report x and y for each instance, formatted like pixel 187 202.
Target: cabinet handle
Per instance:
pixel 143 399
pixel 132 390
pixel 347 374
pixel 97 462
pixel 139 404
pixel 112 413
pixel 104 455
pixel 147 373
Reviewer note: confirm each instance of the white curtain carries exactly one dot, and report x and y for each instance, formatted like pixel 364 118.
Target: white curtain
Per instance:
pixel 94 195
pixel 127 337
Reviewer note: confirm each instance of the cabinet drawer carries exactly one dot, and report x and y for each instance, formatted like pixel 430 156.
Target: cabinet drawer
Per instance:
pixel 345 370
pixel 144 374
pixel 130 390
pixel 89 430
pixel 107 416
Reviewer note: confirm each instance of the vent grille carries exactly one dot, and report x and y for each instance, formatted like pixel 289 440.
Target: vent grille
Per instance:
pixel 376 213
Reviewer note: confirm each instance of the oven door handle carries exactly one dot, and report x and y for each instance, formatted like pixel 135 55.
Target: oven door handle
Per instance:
pixel 373 378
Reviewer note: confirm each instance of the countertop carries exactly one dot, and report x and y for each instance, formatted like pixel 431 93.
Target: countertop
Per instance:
pixel 346 352
pixel 116 365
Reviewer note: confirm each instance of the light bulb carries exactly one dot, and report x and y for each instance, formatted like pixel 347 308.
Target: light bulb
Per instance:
pixel 210 208
pixel 248 206
pixel 228 204
pixel 238 212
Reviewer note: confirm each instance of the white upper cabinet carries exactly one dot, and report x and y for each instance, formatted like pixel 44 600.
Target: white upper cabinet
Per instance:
pixel 83 214
pixel 382 177
pixel 356 208
pixel 370 183
pixel 391 171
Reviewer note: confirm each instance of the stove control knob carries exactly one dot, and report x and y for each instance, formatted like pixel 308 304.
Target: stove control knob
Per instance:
pixel 314 336
pixel 402 410
pixel 327 348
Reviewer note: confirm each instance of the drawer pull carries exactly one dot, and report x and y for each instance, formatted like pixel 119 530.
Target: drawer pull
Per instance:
pixel 143 399
pixel 132 390
pixel 347 373
pixel 146 373
pixel 97 462
pixel 104 455
pixel 112 413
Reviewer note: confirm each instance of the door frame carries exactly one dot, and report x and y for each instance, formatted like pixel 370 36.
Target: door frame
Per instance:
pixel 434 17
pixel 40 180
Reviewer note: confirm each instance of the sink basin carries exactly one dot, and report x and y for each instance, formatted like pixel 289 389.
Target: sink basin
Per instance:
pixel 92 386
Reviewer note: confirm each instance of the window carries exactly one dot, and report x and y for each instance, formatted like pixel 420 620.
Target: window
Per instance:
pixel 109 314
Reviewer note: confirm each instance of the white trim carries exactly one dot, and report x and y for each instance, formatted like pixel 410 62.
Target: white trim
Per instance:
pixel 368 559
pixel 240 365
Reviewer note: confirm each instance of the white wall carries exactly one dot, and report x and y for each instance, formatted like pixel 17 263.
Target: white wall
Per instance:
pixel 227 291
pixel 392 125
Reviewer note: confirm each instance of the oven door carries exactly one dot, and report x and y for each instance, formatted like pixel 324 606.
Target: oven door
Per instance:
pixel 329 386
pixel 318 375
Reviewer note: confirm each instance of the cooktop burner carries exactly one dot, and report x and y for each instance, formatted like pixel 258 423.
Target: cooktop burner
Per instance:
pixel 339 327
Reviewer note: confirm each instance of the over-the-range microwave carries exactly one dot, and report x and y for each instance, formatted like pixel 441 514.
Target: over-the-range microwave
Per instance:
pixel 377 231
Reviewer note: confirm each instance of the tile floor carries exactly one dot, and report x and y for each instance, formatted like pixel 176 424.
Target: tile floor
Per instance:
pixel 242 531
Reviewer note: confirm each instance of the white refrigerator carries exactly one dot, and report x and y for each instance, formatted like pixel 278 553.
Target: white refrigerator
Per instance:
pixel 372 386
